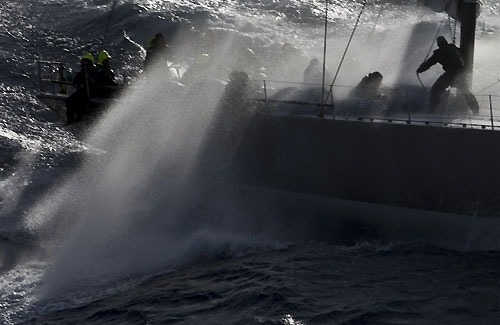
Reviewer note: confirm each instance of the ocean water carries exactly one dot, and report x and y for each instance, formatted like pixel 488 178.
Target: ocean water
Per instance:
pixel 127 223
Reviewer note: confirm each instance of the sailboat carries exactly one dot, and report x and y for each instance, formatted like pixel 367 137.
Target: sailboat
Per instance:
pixel 401 159
pixel 438 166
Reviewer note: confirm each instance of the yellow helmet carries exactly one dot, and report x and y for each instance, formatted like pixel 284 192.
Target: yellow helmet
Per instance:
pixel 89 57
pixel 104 55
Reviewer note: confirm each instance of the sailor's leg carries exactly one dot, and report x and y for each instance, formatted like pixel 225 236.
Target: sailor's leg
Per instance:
pixel 76 105
pixel 469 97
pixel 71 108
pixel 472 102
pixel 443 82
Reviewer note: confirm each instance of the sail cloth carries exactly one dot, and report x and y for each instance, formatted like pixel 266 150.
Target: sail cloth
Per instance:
pixel 451 7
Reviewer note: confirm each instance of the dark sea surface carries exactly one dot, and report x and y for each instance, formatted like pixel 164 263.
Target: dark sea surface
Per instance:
pixel 121 225
pixel 314 283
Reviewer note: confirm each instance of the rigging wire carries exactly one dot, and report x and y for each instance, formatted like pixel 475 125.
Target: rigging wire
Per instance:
pixel 321 114
pixel 423 86
pixel 107 24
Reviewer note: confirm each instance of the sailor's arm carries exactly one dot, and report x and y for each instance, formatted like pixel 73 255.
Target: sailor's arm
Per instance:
pixel 428 63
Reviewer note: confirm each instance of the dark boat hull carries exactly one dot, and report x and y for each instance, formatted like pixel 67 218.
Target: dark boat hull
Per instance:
pixel 432 168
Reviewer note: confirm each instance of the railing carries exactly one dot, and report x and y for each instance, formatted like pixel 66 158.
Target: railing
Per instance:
pixel 54 78
pixel 399 106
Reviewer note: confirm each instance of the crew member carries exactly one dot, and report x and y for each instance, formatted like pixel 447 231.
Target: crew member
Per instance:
pixel 448 55
pixel 104 76
pixel 368 87
pixel 77 103
pixel 313 74
pixel 156 50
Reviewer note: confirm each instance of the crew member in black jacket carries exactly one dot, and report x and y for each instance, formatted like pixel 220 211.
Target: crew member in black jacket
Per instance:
pixel 448 55
pixel 77 103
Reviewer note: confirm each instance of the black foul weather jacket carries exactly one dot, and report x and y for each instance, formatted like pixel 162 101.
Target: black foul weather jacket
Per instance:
pixel 448 56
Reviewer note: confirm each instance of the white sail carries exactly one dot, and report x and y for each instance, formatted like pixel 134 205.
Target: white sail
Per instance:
pixel 448 6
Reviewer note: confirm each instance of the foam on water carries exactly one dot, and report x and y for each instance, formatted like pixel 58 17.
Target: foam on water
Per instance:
pixel 124 211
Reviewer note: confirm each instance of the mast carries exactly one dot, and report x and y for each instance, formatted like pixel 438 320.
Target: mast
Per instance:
pixel 107 24
pixel 465 11
pixel 324 55
pixel 468 10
